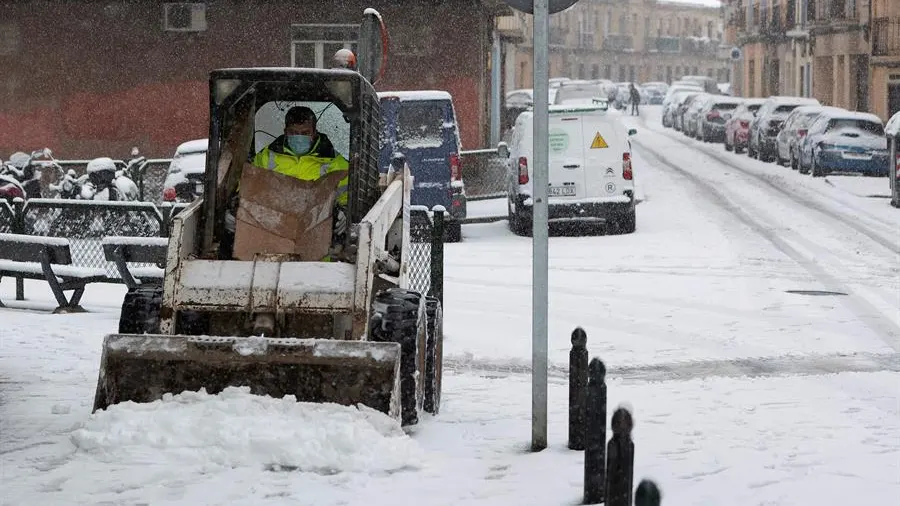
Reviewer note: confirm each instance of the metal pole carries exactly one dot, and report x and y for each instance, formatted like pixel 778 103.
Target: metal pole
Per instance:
pixel 496 76
pixel 539 223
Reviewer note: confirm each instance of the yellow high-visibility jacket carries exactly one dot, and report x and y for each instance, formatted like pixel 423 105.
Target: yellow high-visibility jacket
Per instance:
pixel 321 159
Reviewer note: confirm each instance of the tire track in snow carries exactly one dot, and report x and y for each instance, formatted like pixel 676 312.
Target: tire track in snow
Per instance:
pixel 892 245
pixel 798 365
pixel 864 310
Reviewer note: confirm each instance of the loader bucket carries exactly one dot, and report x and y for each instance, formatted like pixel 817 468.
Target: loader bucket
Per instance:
pixel 141 368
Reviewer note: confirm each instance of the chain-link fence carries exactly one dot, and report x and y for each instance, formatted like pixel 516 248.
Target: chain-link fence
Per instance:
pixel 484 173
pixel 426 252
pixel 85 223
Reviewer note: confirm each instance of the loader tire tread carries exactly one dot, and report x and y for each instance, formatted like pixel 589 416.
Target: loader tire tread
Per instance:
pixel 140 310
pixel 434 356
pixel 402 319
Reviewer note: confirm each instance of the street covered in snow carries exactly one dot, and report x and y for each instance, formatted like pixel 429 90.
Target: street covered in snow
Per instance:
pixel 748 384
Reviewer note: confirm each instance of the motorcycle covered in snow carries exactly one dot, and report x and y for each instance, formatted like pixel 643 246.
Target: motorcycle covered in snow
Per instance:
pixel 20 176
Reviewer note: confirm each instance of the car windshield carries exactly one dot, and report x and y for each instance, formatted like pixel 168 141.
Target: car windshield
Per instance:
pixel 580 94
pixel 862 125
pixel 270 124
pixel 420 124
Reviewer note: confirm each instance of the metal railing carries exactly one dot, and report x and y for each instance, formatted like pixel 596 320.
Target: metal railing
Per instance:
pixel 886 36
pixel 484 173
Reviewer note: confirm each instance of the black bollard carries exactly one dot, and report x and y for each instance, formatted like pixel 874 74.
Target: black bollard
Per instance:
pixel 595 434
pixel 620 460
pixel 578 380
pixel 647 494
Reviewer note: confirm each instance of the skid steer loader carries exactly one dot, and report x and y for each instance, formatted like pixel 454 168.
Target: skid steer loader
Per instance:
pixel 263 310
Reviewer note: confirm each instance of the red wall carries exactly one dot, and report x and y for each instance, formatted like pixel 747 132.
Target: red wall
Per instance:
pixel 115 79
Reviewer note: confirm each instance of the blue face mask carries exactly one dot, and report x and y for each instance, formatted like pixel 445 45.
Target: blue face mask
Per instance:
pixel 299 144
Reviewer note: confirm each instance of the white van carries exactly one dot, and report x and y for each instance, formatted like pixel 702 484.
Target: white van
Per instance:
pixel 591 179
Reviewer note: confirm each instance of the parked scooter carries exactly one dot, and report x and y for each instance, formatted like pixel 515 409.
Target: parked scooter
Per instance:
pixel 20 176
pixel 107 182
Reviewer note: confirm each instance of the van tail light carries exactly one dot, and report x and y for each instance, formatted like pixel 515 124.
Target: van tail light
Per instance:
pixel 711 115
pixel 801 132
pixel 626 166
pixel 455 167
pixel 523 170
pixel 169 195
pixel 745 124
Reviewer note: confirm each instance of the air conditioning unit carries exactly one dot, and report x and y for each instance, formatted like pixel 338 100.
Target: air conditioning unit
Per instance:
pixel 184 17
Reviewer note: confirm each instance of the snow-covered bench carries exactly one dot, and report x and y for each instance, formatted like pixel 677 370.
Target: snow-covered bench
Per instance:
pixel 143 250
pixel 50 259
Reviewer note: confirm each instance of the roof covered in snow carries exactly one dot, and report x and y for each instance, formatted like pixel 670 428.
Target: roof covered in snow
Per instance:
pixel 416 95
pixel 194 146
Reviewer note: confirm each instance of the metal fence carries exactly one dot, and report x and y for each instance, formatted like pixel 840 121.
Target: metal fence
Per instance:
pixel 484 173
pixel 85 223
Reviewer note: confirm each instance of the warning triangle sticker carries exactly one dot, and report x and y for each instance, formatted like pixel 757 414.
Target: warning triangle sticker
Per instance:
pixel 599 142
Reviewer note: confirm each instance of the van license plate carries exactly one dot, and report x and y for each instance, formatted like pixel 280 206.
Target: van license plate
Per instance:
pixel 561 191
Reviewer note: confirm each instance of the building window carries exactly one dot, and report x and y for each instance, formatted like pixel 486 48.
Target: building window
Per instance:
pixel 10 39
pixel 312 46
pixel 623 29
pixel 751 78
pixel 607 71
pixel 595 71
pixel 184 17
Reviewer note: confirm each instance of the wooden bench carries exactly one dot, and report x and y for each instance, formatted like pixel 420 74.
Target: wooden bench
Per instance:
pixel 143 250
pixel 50 259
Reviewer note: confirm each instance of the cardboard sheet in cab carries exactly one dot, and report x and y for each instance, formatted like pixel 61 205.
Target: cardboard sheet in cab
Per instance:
pixel 279 214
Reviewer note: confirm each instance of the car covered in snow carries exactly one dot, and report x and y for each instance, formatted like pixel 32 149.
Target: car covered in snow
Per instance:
pixel 581 92
pixel 737 127
pixel 422 126
pixel 768 122
pixel 845 141
pixel 184 179
pixel 591 179
pixel 715 112
pixel 670 107
pixel 796 125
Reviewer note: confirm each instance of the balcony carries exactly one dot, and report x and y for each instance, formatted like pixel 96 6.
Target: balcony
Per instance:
pixel 624 43
pixel 511 28
pixel 663 44
pixel 832 16
pixel 699 46
pixel 886 36
pixel 586 41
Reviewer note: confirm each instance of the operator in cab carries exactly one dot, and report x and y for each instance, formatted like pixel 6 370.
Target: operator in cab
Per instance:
pixel 305 153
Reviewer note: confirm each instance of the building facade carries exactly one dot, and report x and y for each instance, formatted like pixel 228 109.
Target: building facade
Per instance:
pixel 97 77
pixel 845 53
pixel 629 40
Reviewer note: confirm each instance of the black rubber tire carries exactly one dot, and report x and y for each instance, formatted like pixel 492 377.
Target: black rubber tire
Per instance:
pixel 434 356
pixel 814 169
pixel 628 224
pixel 727 146
pixel 140 310
pixel 519 225
pixel 793 161
pixel 452 231
pixel 399 316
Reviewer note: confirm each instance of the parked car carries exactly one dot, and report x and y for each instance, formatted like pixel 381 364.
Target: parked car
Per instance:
pixel 691 119
pixel 708 84
pixel 669 108
pixel 683 108
pixel 737 127
pixel 422 126
pixel 184 179
pixel 793 131
pixel 715 112
pixel 767 123
pixel 652 94
pixel 845 141
pixel 591 179
pixel 579 93
pixel 676 87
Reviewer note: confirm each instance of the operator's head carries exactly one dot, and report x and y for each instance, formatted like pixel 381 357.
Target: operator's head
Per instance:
pixel 300 129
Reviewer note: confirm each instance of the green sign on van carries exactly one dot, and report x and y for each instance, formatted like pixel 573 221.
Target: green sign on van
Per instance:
pixel 559 140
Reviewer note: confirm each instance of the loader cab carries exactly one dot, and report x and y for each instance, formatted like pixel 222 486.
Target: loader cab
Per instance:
pixel 247 108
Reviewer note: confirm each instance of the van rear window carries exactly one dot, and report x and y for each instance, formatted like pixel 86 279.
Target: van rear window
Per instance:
pixel 420 125
pixel 725 107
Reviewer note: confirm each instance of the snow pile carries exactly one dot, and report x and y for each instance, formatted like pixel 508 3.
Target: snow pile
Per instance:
pixel 238 429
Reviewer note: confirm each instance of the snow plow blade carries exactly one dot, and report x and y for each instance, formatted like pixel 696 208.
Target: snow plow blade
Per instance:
pixel 142 368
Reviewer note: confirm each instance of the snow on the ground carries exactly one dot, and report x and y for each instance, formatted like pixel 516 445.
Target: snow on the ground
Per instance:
pixel 701 279
pixel 860 186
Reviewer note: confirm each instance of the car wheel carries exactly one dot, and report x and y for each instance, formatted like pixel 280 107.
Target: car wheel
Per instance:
pixel 628 224
pixel 453 232
pixel 728 146
pixel 141 310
